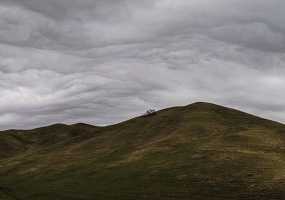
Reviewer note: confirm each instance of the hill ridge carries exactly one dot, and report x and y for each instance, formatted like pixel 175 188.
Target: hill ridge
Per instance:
pixel 197 105
pixel 201 151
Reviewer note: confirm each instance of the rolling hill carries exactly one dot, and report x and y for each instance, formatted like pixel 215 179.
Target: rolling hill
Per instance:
pixel 201 151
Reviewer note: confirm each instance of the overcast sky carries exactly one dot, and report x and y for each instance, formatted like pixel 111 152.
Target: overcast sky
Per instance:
pixel 104 61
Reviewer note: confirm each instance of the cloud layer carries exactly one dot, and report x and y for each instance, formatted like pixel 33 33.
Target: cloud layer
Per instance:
pixel 104 61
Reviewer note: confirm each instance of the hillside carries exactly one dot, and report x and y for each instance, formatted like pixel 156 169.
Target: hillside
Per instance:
pixel 200 152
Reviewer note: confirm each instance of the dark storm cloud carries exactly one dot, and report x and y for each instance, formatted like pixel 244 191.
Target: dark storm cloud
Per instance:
pixel 103 61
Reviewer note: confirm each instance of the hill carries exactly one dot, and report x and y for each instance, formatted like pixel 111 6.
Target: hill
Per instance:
pixel 200 152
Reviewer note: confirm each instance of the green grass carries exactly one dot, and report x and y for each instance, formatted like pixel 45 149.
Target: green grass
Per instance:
pixel 199 152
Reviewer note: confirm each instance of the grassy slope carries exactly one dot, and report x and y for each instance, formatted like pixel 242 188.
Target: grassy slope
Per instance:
pixel 200 152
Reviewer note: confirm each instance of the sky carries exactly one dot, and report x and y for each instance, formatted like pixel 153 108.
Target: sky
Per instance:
pixel 105 61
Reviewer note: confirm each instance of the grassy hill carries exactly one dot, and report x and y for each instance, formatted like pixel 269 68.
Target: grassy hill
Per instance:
pixel 197 152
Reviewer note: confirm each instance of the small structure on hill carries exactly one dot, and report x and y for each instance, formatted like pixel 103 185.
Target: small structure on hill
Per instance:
pixel 149 112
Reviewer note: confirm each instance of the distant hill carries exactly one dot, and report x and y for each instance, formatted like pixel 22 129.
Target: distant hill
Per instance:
pixel 198 152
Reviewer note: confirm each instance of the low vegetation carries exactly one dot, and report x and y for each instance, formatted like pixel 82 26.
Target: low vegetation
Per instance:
pixel 199 152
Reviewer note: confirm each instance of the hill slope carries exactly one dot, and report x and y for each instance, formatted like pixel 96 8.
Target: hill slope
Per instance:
pixel 200 152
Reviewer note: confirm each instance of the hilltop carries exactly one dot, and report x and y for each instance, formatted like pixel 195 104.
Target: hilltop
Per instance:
pixel 201 151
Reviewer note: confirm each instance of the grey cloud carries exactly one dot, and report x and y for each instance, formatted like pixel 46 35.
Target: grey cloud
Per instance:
pixel 79 24
pixel 105 61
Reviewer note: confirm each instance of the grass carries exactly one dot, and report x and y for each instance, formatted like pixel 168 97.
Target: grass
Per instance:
pixel 201 152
